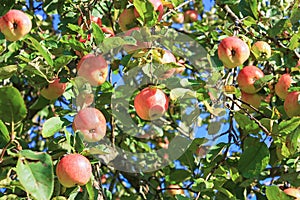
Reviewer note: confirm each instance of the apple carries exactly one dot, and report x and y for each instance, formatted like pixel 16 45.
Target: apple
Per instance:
pixel 190 16
pixel 247 77
pixel 139 44
pixel 84 99
pixel 108 30
pixel 174 189
pixel 252 99
pixel 92 124
pixel 54 90
pixel 74 169
pixel 291 104
pixel 178 18
pixel 294 192
pixel 233 51
pixel 282 86
pixel 93 68
pixel 158 7
pixel 127 19
pixel 166 58
pixel 261 50
pixel 15 24
pixel 151 103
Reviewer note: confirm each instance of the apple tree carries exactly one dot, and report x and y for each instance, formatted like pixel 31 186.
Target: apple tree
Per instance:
pixel 149 99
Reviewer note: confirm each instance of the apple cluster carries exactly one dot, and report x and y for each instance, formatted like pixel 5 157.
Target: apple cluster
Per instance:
pixel 188 16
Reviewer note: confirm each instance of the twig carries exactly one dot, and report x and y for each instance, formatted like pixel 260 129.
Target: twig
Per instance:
pixel 181 5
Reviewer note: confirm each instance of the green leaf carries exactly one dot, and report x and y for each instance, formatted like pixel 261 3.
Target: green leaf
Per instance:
pixel 4 134
pixel 295 16
pixel 115 42
pixel 62 61
pixel 290 125
pixel 98 34
pixel 294 41
pixel 254 159
pixel 274 193
pixel 262 81
pixel 277 28
pixel 6 5
pixel 12 105
pixel 180 175
pixel 8 71
pixel 245 122
pixel 41 49
pixel 52 126
pixel 35 172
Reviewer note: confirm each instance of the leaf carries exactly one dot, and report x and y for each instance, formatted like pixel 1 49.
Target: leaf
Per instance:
pixel 35 172
pixel 52 126
pixel 98 33
pixel 4 134
pixel 114 42
pixel 12 105
pixel 262 81
pixel 254 159
pixel 41 49
pixel 277 28
pixel 179 175
pixel 294 41
pixel 290 125
pixel 62 61
pixel 274 193
pixel 8 71
pixel 177 93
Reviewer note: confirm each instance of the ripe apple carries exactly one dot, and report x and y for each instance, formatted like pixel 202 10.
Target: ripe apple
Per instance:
pixel 252 99
pixel 139 44
pixel 178 18
pixel 91 122
pixel 54 90
pixel 291 104
pixel 166 58
pixel 15 24
pixel 294 192
pixel 247 77
pixel 190 16
pixel 127 19
pixel 158 7
pixel 261 50
pixel 282 86
pixel 93 68
pixel 151 103
pixel 233 51
pixel 174 189
pixel 74 169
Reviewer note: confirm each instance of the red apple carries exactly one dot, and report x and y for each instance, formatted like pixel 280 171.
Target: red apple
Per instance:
pixel 261 50
pixel 233 51
pixel 15 24
pixel 108 30
pixel 127 19
pixel 178 18
pixel 92 124
pixel 151 103
pixel 54 90
pixel 252 99
pixel 174 189
pixel 291 104
pixel 282 86
pixel 74 169
pixel 158 7
pixel 294 192
pixel 166 58
pixel 93 68
pixel 247 77
pixel 190 16
pixel 139 44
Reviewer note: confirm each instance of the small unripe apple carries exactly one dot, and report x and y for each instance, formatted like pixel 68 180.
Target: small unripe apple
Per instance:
pixel 74 169
pixel 282 86
pixel 93 68
pixel 92 124
pixel 252 99
pixel 291 104
pixel 178 18
pixel 190 16
pixel 247 77
pixel 294 192
pixel 151 103
pixel 54 90
pixel 233 52
pixel 261 50
pixel 15 24
pixel 127 19
pixel 174 190
pixel 158 7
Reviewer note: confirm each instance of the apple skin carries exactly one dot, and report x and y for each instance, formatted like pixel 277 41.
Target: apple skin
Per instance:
pixel 158 7
pixel 190 16
pixel 167 57
pixel 178 18
pixel 176 189
pixel 294 192
pixel 91 122
pixel 74 169
pixel 93 68
pixel 151 103
pixel 247 77
pixel 54 90
pixel 233 51
pixel 252 99
pixel 126 19
pixel 15 24
pixel 291 105
pixel 261 50
pixel 282 86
